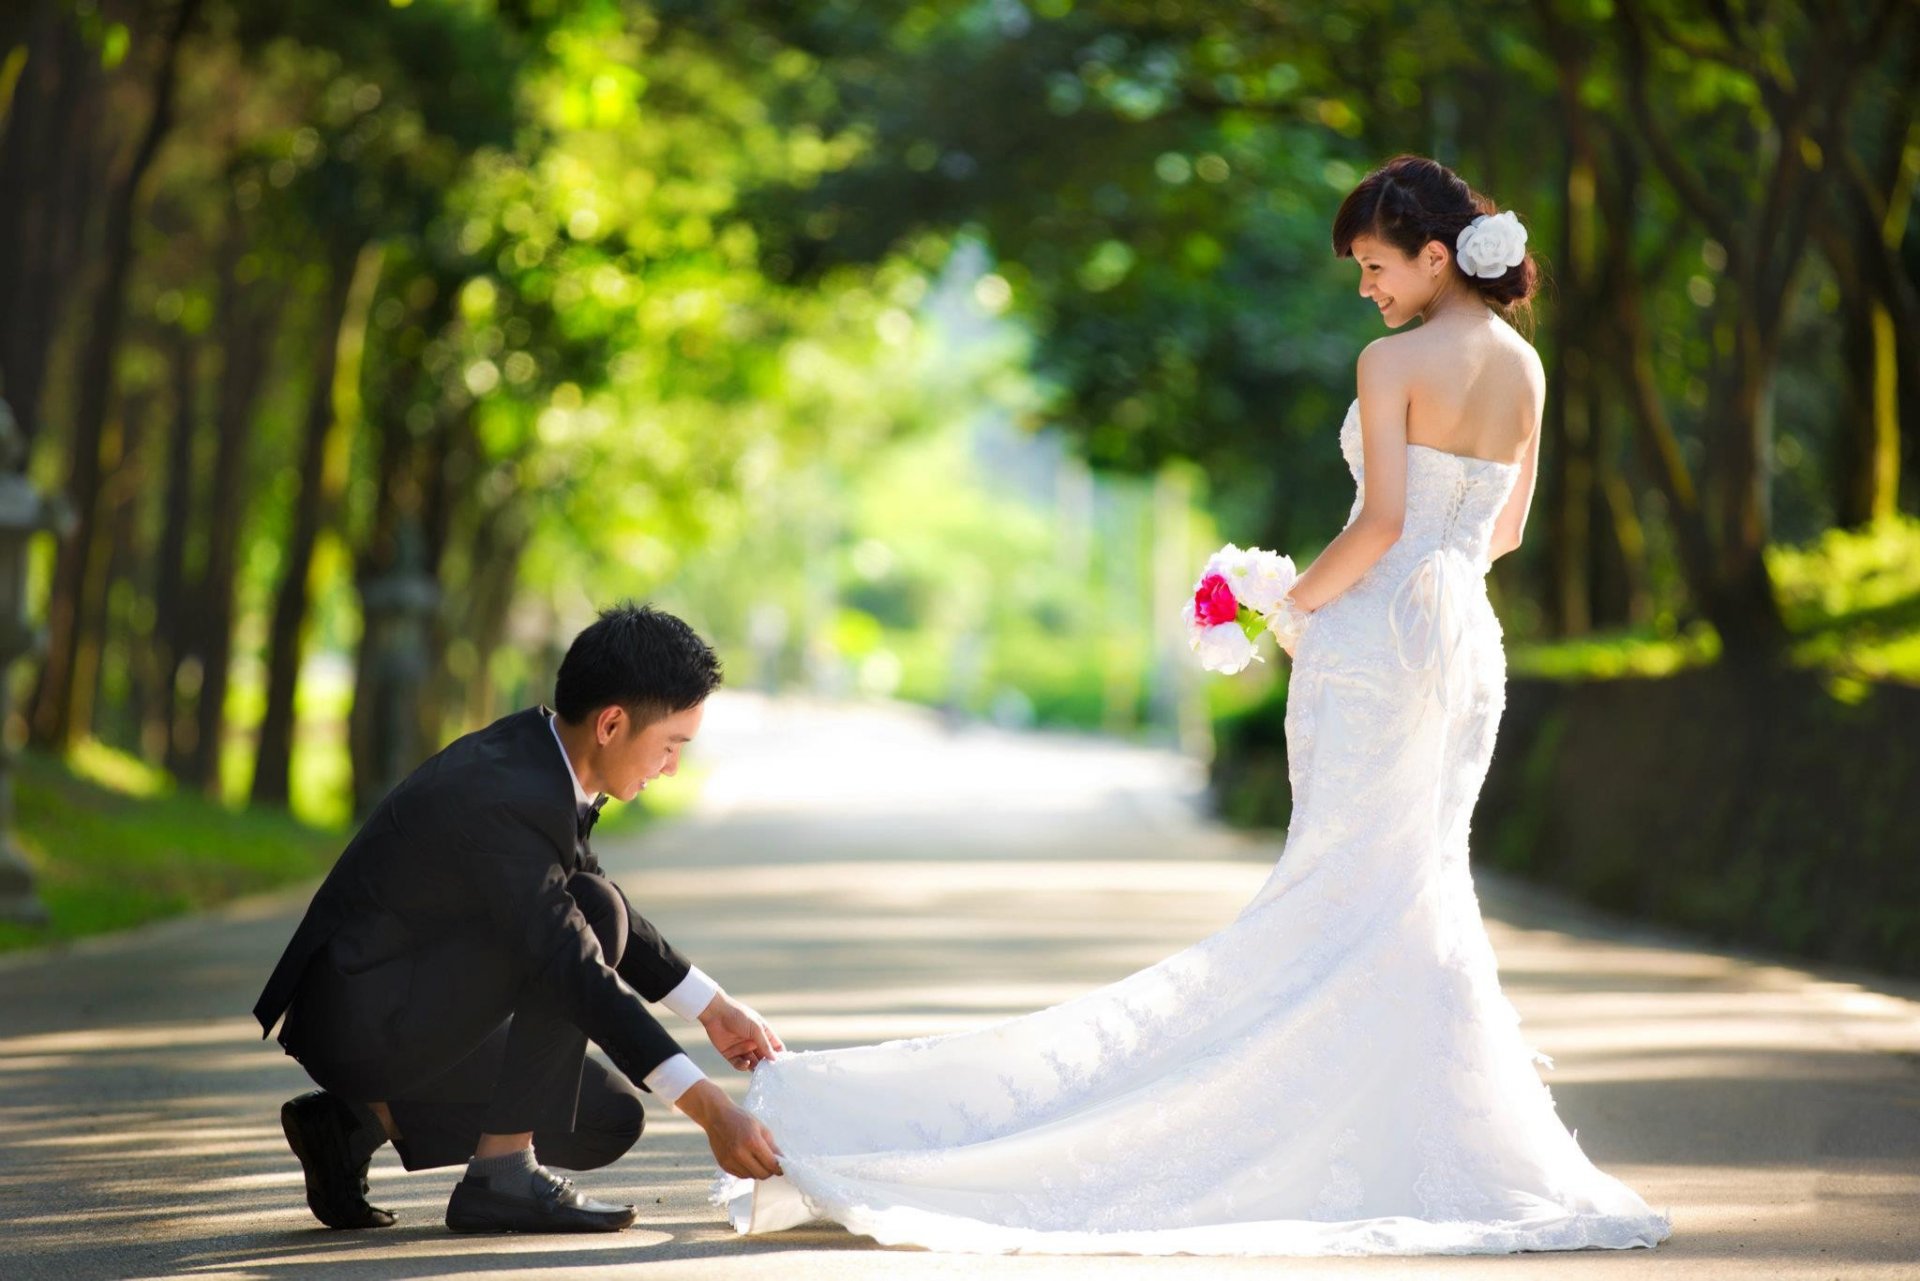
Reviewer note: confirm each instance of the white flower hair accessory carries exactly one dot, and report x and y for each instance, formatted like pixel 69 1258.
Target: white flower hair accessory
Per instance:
pixel 1491 244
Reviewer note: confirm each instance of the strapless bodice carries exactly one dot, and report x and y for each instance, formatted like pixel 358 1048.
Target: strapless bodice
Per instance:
pixel 1453 500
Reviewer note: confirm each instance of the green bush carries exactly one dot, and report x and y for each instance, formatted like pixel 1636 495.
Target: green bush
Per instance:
pixel 111 846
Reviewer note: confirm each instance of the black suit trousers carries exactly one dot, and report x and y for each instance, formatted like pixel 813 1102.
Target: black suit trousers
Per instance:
pixel 480 1049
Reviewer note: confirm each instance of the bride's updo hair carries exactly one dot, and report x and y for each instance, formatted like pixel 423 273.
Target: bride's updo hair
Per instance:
pixel 1411 200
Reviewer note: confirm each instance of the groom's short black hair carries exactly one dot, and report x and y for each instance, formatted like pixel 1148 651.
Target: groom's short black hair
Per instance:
pixel 639 658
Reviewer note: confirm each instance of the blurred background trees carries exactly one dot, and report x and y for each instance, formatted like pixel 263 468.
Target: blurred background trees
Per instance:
pixel 911 349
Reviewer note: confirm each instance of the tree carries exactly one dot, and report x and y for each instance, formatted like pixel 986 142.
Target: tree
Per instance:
pixel 1785 92
pixel 80 569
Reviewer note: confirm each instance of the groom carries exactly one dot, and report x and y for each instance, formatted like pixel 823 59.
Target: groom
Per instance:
pixel 452 967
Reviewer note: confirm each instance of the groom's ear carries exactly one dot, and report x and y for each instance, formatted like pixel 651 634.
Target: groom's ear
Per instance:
pixel 614 721
pixel 606 723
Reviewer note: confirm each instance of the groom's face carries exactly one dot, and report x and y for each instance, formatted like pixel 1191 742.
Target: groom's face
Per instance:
pixel 635 755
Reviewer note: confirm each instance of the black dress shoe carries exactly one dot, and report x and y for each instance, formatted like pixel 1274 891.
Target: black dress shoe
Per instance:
pixel 335 1146
pixel 555 1206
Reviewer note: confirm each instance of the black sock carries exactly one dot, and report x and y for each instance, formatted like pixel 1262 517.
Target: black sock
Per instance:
pixel 366 1140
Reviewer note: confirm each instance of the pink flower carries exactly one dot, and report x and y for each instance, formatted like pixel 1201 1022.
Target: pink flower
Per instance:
pixel 1213 603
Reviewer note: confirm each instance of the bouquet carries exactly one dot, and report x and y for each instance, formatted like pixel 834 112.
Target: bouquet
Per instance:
pixel 1236 592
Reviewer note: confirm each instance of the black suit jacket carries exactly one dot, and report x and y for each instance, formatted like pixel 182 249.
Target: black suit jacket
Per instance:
pixel 475 845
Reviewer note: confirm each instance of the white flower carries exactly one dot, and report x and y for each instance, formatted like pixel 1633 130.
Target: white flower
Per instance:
pixel 1226 562
pixel 1260 579
pixel 1491 244
pixel 1222 648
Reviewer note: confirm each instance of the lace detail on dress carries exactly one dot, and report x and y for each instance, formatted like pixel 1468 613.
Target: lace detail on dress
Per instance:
pixel 1335 1071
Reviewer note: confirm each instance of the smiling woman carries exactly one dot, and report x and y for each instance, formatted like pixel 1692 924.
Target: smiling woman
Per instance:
pixel 1422 236
pixel 1357 986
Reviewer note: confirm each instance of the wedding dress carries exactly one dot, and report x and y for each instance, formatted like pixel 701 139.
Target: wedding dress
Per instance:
pixel 1334 1072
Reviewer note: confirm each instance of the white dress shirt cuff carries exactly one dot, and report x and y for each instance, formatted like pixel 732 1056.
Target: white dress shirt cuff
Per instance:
pixel 694 993
pixel 674 1078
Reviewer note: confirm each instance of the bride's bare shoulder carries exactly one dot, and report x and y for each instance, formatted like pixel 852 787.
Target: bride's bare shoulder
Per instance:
pixel 1430 357
pixel 1533 370
pixel 1519 349
pixel 1416 355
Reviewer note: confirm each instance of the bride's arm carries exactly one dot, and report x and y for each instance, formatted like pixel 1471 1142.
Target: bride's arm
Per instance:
pixel 1513 517
pixel 1383 443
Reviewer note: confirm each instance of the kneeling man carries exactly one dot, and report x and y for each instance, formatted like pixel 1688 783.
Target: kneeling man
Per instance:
pixel 452 967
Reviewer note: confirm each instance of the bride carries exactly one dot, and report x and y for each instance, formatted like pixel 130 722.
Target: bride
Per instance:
pixel 1336 1071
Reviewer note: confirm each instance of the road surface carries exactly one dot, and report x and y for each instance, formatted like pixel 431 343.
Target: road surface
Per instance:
pixel 859 874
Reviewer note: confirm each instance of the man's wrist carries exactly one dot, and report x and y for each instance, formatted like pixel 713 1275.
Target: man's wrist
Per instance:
pixel 693 995
pixel 674 1078
pixel 702 1102
pixel 718 1006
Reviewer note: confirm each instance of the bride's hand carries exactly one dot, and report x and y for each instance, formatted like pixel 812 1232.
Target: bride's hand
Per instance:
pixel 1286 623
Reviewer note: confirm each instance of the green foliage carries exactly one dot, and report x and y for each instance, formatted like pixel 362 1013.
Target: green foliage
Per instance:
pixel 1157 194
pixel 1515 841
pixel 1658 649
pixel 956 583
pixel 1755 808
pixel 1853 599
pixel 111 847
pixel 1850 597
pixel 319 785
pixel 1250 780
pixel 711 302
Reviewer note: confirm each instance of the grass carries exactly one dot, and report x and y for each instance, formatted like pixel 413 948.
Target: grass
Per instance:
pixel 1850 599
pixel 1658 649
pixel 112 845
pixel 321 777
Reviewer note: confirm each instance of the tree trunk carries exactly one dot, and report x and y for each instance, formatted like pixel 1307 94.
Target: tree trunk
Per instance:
pixel 166 740
pixel 1907 343
pixel 449 463
pixel 1748 616
pixel 249 319
pixel 1596 547
pixel 117 720
pixel 47 167
pixel 1570 409
pixel 1879 304
pixel 394 499
pixel 492 602
pixel 1621 596
pixel 81 560
pixel 494 533
pixel 399 501
pixel 1653 431
pixel 318 497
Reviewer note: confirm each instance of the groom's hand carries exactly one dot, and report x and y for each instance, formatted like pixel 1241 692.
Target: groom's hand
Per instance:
pixel 743 1147
pixel 742 1036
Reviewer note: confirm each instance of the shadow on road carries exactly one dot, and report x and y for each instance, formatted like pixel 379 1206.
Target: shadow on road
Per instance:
pixel 918 882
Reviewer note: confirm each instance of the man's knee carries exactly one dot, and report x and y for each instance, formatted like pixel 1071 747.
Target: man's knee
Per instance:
pixel 601 902
pixel 602 1134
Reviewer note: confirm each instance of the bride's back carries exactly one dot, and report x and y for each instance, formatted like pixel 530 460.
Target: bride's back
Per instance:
pixel 1478 387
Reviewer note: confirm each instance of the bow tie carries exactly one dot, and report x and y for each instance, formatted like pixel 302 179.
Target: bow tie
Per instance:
pixel 585 817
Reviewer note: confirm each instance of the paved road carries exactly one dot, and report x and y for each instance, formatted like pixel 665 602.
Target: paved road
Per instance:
pixel 861 875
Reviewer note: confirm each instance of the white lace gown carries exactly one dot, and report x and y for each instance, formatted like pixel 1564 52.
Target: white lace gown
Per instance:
pixel 1335 1072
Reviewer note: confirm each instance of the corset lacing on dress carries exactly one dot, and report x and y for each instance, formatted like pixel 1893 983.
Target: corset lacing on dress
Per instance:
pixel 1429 610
